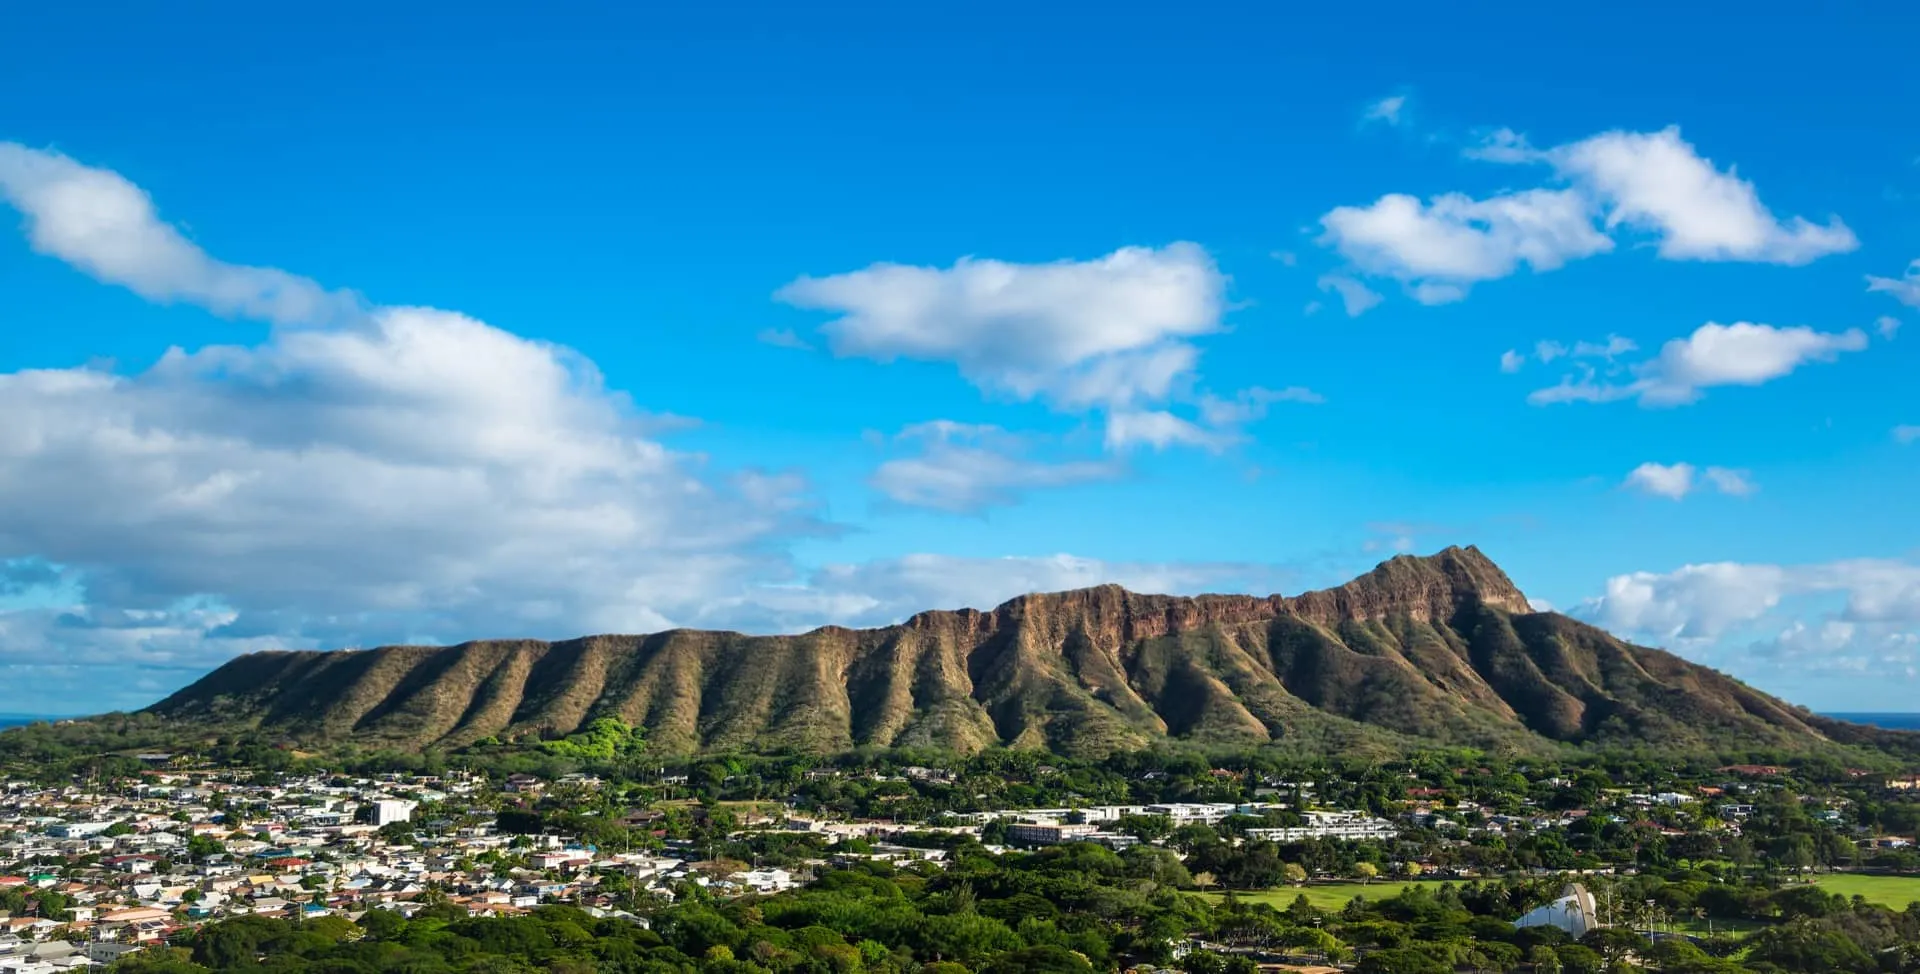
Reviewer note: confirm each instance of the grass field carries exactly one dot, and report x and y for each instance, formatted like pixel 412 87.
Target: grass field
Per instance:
pixel 1702 927
pixel 1889 891
pixel 1326 896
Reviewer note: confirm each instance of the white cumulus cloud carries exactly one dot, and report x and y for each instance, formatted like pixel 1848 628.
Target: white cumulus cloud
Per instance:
pixel 1790 608
pixel 1739 354
pixel 1658 183
pixel 1437 248
pixel 1110 330
pixel 1674 480
pixel 1695 602
pixel 1650 183
pixel 1114 335
pixel 1677 480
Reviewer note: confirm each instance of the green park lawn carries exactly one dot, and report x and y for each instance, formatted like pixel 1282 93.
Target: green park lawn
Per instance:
pixel 1326 896
pixel 1894 892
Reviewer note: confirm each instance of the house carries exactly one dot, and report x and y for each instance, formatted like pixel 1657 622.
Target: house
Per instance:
pixel 56 955
pixel 557 860
pixel 131 864
pixel 30 928
pixel 108 952
pixel 137 914
pixel 77 830
pixel 765 880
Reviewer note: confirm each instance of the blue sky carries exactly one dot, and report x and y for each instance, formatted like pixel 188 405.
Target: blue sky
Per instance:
pixel 462 322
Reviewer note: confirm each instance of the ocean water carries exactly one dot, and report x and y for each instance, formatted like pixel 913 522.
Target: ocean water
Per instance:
pixel 1888 721
pixel 16 720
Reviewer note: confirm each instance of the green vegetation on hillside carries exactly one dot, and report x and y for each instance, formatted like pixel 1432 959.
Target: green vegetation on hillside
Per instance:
pixel 606 739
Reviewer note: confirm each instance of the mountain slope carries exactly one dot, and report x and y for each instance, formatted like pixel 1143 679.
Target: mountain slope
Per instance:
pixel 1443 649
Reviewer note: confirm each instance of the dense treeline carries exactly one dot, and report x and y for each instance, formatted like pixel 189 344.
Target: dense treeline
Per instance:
pixel 1068 908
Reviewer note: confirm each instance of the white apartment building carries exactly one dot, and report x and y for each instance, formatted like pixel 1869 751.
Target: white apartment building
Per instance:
pixel 1048 833
pixel 387 811
pixel 1331 825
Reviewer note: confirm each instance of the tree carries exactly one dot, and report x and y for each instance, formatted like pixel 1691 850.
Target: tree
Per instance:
pixel 1612 943
pixel 1401 960
pixel 1294 872
pixel 1203 879
pixel 1366 871
pixel 1045 959
pixel 201 847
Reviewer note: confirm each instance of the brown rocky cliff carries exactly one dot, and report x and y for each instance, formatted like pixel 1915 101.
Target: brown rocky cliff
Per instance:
pixel 1440 648
pixel 1427 589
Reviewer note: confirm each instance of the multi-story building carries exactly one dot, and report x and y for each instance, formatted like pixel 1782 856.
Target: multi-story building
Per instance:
pixel 1048 833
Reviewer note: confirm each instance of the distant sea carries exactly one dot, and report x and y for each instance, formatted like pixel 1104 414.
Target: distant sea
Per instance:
pixel 1888 721
pixel 16 720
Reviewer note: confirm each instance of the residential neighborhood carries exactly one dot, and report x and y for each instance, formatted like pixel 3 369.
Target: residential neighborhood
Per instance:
pixel 91 872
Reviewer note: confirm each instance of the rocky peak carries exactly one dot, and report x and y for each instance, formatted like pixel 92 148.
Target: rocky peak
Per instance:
pixel 1426 587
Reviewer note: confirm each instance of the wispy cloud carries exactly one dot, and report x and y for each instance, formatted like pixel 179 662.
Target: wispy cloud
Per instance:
pixel 783 338
pixel 1904 289
pixel 963 468
pixel 105 225
pixel 1355 297
pixel 1387 110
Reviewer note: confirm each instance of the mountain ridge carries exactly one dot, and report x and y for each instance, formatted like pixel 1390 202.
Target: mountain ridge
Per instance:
pixel 1441 648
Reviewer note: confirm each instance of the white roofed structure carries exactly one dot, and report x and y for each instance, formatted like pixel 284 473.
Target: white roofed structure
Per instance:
pixel 1575 912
